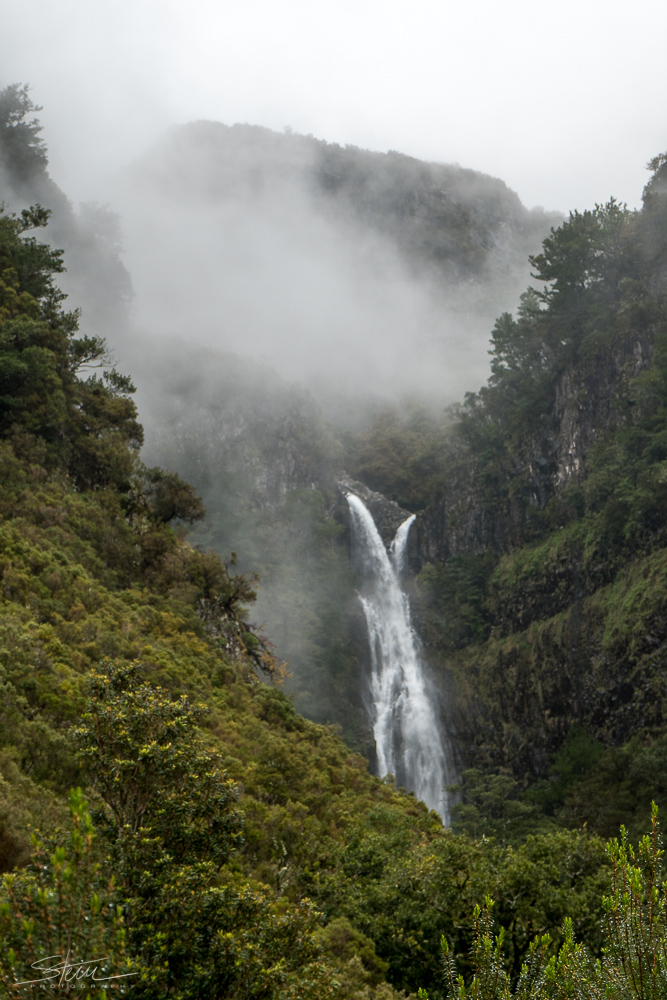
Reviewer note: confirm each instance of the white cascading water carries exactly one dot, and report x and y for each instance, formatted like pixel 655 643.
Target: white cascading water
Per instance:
pixel 408 738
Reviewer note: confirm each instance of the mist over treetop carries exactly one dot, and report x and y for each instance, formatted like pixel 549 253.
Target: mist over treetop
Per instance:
pixel 453 219
pixel 363 275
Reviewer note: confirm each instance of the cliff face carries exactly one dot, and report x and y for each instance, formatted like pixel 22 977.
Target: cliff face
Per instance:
pixel 242 435
pixel 589 402
pixel 593 401
pixel 569 611
pixel 388 516
pixel 600 663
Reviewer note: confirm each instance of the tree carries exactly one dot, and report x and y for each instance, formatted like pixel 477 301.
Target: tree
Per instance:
pixel 22 151
pixel 633 965
pixel 171 823
pixel 59 918
pixel 141 750
pixel 169 497
pixel 657 184
pixel 491 807
pixel 86 425
pixel 586 250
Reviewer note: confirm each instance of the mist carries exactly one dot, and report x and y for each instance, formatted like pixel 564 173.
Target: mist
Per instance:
pixel 276 295
pixel 277 282
pixel 232 245
pixel 561 103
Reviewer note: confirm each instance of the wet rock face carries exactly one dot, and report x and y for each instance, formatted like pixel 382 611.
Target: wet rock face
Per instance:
pixel 539 689
pixel 457 522
pixel 388 516
pixel 594 400
pixel 589 402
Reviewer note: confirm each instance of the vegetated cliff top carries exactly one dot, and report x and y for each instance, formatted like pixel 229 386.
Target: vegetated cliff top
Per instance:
pixel 96 279
pixel 456 221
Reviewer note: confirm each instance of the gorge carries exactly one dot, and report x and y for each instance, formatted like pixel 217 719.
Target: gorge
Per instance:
pixel 472 593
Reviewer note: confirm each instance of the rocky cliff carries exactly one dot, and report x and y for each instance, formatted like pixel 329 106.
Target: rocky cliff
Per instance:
pixel 388 516
pixel 241 434
pixel 590 400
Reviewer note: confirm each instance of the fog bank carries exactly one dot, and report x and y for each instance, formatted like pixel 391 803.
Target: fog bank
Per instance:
pixel 356 275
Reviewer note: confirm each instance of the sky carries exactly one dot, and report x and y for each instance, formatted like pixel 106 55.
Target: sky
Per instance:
pixel 563 101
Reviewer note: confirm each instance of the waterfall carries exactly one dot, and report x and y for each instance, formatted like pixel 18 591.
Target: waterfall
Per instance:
pixel 408 737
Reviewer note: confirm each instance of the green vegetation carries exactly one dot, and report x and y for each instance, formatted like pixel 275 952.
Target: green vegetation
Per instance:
pixel 633 959
pixel 85 426
pixel 220 844
pixel 232 847
pixel 565 616
pixel 22 149
pixel 401 455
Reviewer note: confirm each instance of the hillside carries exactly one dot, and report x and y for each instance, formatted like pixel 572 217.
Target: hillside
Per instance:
pixel 114 631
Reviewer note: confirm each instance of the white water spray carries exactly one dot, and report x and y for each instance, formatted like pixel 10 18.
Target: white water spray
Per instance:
pixel 408 739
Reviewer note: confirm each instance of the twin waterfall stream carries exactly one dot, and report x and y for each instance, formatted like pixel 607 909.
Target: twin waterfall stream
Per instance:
pixel 408 737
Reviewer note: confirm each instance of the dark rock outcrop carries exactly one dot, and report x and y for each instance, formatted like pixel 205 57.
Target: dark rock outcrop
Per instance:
pixel 589 402
pixel 388 516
